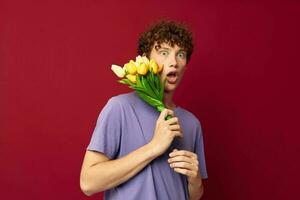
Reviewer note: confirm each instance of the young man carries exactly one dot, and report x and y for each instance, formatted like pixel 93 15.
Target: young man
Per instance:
pixel 131 154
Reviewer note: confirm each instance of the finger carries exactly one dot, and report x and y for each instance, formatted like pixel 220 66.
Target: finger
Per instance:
pixel 164 113
pixel 184 153
pixel 180 159
pixel 177 134
pixel 184 165
pixel 173 120
pixel 184 159
pixel 175 149
pixel 186 172
pixel 175 127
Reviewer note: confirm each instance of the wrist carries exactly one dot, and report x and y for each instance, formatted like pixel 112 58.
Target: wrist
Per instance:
pixel 195 181
pixel 152 147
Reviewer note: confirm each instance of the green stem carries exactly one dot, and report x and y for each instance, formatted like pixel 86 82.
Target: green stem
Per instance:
pixel 168 117
pixel 160 108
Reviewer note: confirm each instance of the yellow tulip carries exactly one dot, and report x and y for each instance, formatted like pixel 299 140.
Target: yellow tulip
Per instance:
pixel 131 77
pixel 153 66
pixel 160 68
pixel 130 67
pixel 139 60
pixel 119 71
pixel 146 60
pixel 142 69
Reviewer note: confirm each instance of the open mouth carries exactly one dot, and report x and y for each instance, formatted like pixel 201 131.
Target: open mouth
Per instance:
pixel 172 77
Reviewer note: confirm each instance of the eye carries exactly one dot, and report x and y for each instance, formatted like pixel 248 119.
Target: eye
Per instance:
pixel 163 53
pixel 182 55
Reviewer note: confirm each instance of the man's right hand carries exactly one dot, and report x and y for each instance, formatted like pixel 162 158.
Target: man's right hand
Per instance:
pixel 165 131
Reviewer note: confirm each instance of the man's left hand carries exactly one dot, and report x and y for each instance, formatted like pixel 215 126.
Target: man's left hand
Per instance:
pixel 185 162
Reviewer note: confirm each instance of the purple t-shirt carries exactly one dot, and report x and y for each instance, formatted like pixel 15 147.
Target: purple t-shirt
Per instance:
pixel 125 124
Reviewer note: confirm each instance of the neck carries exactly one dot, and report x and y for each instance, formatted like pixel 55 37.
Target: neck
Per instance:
pixel 168 100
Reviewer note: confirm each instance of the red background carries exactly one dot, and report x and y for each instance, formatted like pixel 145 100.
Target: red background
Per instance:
pixel 241 83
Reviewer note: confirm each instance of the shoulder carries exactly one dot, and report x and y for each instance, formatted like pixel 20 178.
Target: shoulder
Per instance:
pixel 115 106
pixel 122 99
pixel 189 117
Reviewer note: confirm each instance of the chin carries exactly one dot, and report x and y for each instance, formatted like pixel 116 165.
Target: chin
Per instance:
pixel 170 88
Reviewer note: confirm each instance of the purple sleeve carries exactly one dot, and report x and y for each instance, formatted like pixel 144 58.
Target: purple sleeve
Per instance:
pixel 199 150
pixel 107 133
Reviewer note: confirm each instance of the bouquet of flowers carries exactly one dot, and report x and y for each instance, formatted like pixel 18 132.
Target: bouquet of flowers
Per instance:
pixel 142 75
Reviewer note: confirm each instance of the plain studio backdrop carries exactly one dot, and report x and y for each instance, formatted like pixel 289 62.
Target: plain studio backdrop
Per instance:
pixel 241 83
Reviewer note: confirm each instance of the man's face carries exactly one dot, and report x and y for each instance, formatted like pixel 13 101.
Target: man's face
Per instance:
pixel 174 61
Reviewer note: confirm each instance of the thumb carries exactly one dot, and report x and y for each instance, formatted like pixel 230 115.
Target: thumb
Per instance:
pixel 175 149
pixel 164 113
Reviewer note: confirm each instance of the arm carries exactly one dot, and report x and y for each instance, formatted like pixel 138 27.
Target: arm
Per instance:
pixel 196 188
pixel 98 173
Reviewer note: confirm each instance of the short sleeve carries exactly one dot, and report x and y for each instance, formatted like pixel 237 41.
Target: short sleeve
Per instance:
pixel 199 150
pixel 107 133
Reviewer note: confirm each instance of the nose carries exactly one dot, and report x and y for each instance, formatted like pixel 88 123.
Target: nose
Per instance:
pixel 173 61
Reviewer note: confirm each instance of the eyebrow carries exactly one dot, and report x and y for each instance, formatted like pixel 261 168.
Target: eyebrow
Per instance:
pixel 166 48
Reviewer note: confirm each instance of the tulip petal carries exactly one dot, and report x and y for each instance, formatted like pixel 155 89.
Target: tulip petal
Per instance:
pixel 146 60
pixel 119 71
pixel 139 59
pixel 143 69
pixel 153 66
pixel 160 68
pixel 130 67
pixel 131 77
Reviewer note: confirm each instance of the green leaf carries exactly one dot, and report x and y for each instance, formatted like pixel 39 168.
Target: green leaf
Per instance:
pixel 138 81
pixel 162 89
pixel 148 87
pixel 151 82
pixel 127 82
pixel 152 101
pixel 124 81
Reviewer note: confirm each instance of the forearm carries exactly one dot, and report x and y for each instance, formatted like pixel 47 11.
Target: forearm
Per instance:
pixel 195 188
pixel 108 174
